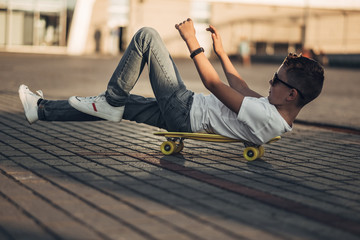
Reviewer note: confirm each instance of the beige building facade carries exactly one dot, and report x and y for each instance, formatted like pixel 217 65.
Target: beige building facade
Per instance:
pixel 279 29
pixel 106 26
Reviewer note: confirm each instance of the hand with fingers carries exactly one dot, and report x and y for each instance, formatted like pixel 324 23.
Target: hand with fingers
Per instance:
pixel 186 29
pixel 217 43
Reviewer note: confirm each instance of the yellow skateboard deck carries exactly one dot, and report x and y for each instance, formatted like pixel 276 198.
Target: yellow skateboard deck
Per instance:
pixel 175 143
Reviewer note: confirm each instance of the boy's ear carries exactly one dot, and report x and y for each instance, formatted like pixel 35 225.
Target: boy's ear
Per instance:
pixel 292 95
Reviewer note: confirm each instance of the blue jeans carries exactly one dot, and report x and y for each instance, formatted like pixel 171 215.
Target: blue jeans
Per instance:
pixel 170 109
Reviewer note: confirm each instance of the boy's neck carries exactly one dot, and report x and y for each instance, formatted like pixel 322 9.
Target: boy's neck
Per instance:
pixel 289 114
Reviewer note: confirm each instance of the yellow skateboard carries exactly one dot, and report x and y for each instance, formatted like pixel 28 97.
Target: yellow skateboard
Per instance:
pixel 175 143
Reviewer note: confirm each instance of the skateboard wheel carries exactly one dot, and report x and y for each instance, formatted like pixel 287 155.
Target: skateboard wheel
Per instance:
pixel 168 147
pixel 179 147
pixel 251 153
pixel 261 151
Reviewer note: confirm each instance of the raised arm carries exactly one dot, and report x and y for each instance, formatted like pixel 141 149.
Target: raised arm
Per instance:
pixel 234 79
pixel 227 95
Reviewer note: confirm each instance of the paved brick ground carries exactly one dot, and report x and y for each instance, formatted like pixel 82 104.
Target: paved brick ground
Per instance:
pixel 100 180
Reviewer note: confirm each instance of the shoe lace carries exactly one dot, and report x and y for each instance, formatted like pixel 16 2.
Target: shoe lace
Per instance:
pixel 40 93
pixel 99 97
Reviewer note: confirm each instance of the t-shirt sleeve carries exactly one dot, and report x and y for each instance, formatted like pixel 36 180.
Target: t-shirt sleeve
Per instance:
pixel 254 113
pixel 260 119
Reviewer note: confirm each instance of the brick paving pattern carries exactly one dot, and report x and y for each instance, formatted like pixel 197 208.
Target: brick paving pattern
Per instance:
pixel 101 180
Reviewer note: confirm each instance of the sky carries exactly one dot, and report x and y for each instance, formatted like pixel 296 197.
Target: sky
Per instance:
pixel 348 4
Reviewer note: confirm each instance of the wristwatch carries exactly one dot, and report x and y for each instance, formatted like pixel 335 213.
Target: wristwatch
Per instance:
pixel 196 52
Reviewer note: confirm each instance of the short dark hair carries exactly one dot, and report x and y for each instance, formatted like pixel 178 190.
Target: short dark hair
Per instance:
pixel 306 75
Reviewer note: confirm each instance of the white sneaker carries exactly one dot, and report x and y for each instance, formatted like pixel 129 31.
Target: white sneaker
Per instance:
pixel 29 101
pixel 97 106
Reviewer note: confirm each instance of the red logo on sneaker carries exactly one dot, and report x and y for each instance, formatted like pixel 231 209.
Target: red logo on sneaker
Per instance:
pixel 94 107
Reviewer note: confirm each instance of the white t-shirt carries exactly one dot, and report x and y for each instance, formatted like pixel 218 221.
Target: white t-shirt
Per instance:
pixel 258 121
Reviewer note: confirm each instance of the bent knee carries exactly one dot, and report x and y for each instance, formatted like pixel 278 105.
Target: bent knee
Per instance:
pixel 147 31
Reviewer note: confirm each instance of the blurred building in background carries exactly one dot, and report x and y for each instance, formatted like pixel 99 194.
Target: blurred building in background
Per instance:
pixel 26 24
pixel 269 29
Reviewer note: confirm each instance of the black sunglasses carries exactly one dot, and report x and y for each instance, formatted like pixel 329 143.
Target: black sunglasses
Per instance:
pixel 276 79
